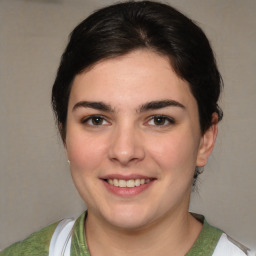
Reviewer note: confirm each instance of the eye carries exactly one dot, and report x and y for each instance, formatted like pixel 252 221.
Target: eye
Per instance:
pixel 160 120
pixel 95 120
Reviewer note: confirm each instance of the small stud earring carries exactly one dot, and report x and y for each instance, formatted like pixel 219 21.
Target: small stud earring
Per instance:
pixel 68 162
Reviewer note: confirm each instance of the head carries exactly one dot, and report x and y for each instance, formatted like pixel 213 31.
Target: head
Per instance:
pixel 154 37
pixel 123 28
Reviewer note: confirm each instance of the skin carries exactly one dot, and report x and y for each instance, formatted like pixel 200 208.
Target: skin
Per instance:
pixel 121 137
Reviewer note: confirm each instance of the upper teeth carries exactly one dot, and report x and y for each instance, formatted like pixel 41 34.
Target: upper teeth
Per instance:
pixel 127 183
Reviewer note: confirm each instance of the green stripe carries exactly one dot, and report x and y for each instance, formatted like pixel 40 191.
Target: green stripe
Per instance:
pixel 206 241
pixel 78 245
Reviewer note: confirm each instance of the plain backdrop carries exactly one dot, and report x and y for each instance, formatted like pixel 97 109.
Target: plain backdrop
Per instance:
pixel 35 184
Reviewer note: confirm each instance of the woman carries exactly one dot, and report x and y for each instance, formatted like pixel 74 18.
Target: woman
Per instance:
pixel 135 100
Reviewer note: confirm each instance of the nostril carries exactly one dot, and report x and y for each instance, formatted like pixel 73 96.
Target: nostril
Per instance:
pixel 126 146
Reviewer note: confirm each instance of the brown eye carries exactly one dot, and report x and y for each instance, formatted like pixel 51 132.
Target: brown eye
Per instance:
pixel 95 121
pixel 160 120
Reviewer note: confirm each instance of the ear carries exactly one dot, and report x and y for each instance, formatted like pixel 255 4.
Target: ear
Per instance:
pixel 207 142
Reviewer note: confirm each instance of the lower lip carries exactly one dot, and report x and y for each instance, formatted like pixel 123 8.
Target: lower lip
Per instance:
pixel 127 192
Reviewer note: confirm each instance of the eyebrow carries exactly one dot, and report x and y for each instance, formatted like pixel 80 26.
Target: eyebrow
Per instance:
pixel 94 105
pixel 160 104
pixel 152 105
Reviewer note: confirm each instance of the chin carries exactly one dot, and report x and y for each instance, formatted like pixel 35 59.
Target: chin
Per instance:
pixel 129 224
pixel 128 218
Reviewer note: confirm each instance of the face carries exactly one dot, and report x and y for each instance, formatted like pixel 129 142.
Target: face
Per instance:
pixel 133 140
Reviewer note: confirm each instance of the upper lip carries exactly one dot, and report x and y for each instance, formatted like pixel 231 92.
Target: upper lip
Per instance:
pixel 125 177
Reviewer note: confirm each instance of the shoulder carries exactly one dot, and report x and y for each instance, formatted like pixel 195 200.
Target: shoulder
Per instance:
pixel 37 244
pixel 214 242
pixel 228 246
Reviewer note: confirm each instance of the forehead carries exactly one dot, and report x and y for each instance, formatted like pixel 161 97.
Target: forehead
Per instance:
pixel 136 77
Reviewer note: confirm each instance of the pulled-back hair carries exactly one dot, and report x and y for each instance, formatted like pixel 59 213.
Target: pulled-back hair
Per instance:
pixel 124 27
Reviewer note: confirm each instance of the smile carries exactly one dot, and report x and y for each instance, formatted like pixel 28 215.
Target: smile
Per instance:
pixel 127 183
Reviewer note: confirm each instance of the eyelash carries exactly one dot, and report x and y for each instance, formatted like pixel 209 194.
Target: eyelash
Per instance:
pixel 93 118
pixel 164 118
pixel 101 119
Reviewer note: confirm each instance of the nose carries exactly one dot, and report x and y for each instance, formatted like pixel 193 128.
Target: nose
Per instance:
pixel 126 145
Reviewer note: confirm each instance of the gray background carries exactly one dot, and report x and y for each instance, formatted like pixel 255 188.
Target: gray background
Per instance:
pixel 35 184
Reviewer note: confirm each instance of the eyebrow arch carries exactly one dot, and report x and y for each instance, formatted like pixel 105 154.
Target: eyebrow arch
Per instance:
pixel 160 104
pixel 94 105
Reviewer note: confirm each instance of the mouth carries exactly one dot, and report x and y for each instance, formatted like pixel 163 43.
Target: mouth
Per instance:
pixel 125 186
pixel 131 183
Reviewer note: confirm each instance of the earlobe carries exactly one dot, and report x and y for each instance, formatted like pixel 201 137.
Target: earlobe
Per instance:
pixel 207 142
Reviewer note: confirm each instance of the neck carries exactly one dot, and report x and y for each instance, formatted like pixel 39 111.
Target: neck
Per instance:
pixel 174 234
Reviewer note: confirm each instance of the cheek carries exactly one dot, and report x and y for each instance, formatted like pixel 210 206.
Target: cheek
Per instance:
pixel 175 153
pixel 84 152
pixel 85 155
